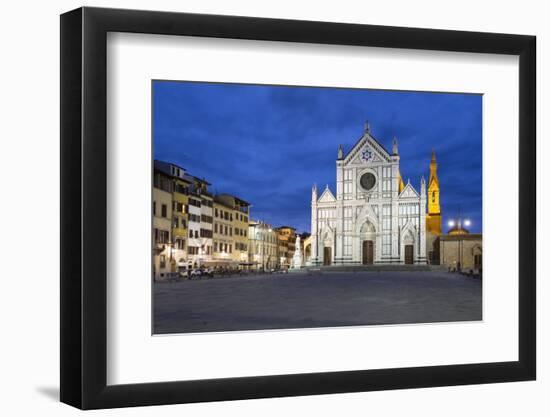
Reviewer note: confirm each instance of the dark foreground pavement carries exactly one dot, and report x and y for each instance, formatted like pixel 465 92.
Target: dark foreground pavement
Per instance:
pixel 326 300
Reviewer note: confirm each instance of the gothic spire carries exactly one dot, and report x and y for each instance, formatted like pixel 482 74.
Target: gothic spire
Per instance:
pixel 433 170
pixel 367 127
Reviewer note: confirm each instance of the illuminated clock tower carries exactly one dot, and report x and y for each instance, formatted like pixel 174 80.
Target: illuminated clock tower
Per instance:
pixel 433 218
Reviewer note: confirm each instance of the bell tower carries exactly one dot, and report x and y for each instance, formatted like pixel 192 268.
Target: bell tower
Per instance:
pixel 433 218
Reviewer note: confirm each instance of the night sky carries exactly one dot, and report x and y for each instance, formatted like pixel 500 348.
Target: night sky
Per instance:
pixel 269 144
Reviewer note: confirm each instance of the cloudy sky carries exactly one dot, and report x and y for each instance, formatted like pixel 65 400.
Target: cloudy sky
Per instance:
pixel 269 144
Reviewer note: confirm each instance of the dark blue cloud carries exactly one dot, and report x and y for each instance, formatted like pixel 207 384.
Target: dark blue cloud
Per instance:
pixel 269 144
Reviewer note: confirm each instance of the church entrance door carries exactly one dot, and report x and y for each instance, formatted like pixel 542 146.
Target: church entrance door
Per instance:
pixel 368 252
pixel 409 254
pixel 327 255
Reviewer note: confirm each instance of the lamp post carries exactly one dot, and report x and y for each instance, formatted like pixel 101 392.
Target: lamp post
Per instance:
pixel 458 222
pixel 253 255
pixel 268 230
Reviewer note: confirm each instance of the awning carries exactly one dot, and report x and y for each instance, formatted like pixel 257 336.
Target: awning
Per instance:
pixel 220 262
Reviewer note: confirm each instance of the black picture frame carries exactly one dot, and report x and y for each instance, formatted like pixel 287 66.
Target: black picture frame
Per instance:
pixel 84 207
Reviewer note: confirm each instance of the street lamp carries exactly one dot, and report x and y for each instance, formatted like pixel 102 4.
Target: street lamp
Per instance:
pixel 458 222
pixel 255 255
pixel 269 230
pixel 459 230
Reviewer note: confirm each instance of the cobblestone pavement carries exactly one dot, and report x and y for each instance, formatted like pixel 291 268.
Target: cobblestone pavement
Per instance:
pixel 293 301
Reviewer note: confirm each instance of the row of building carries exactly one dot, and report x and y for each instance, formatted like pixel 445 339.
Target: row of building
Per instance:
pixel 373 218
pixel 193 228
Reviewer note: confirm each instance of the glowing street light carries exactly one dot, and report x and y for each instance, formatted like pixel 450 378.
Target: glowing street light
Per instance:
pixel 459 223
pixel 457 229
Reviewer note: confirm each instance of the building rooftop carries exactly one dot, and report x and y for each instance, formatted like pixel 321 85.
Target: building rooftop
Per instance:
pixel 286 227
pixel 464 236
pixel 164 167
pixel 237 200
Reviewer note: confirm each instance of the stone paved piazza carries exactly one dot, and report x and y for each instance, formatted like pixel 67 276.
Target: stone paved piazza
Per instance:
pixel 329 299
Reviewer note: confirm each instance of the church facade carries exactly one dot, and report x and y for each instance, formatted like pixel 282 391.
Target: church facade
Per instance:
pixel 374 218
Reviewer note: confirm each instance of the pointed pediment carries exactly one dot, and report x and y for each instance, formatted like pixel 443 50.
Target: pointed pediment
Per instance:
pixel 327 196
pixel 366 156
pixel 409 192
pixel 367 150
pixel 365 213
pixel 408 232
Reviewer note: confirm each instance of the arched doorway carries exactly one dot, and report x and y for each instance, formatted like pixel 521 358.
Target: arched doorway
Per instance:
pixel 408 248
pixel 368 237
pixel 327 245
pixel 327 255
pixel 368 252
pixel 409 254
pixel 478 259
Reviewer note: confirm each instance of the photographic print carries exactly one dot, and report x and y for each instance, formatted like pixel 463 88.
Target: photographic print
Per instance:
pixel 318 199
pixel 291 207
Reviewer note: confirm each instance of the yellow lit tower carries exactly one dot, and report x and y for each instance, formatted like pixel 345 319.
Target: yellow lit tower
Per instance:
pixel 433 218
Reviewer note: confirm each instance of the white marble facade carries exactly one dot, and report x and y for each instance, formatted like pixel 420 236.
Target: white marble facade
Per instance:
pixel 374 218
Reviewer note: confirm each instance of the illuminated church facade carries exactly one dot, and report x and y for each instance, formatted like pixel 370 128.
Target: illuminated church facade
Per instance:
pixel 374 217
